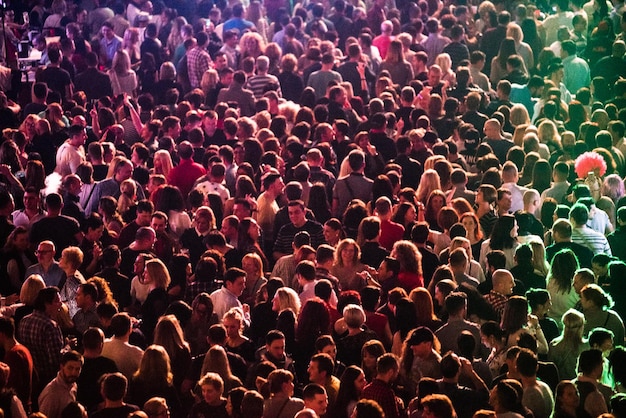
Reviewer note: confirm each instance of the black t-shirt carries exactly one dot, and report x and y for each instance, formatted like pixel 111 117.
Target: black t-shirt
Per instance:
pixel 88 386
pixel 56 78
pixel 58 229
pixel 121 411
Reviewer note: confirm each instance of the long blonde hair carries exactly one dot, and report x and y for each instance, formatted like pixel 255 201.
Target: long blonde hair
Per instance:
pixel 169 335
pixel 158 273
pixel 216 361
pixel 166 162
pixel 288 299
pixel 121 62
pixel 155 366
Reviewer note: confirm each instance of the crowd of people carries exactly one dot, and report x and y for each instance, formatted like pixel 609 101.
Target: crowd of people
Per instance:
pixel 277 209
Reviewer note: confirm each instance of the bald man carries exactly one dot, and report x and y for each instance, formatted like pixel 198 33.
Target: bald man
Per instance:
pixel 494 138
pixel 503 284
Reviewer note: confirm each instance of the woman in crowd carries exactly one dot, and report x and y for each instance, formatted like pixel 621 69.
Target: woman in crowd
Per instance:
pixel 157 277
pixel 172 203
pixel 107 208
pixel 540 304
pixel 410 260
pixel 162 163
pixel 281 403
pixel 567 401
pixel 474 232
pixel 424 308
pixel 154 378
pixel 400 69
pixel 351 386
pixel 216 361
pixel 369 354
pixel 314 321
pixel 28 293
pixel 286 304
pixel 560 284
pixel 290 81
pixel 406 320
pixel 248 237
pixel 504 238
pixel 405 214
pixel 212 403
pixel 252 264
pixel 350 345
pixel 597 306
pixel 565 349
pixel 130 44
pixel 516 321
pixel 139 290
pixel 493 337
pixel 236 342
pixel 123 78
pixel 347 265
pixel 169 335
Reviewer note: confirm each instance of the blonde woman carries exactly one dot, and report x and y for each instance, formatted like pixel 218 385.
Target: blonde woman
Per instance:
pixel 519 116
pixel 209 81
pixel 162 163
pixel 154 378
pixel 252 264
pixel 522 48
pixel 287 304
pixel 128 196
pixel 175 38
pixel 539 257
pixel 347 265
pixel 28 127
pixel 548 136
pixel 252 45
pixel 566 348
pixel 216 361
pixel 236 342
pixel 447 75
pixel 157 276
pixel 256 14
pixel 123 78
pixel 399 68
pixel 130 44
pixel 430 181
pixel 28 293
pixel 169 335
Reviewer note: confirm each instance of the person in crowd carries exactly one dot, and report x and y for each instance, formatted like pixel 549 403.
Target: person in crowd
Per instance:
pixel 373 122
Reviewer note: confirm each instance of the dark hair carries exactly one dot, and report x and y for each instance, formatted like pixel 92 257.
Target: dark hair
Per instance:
pixel 114 386
pixel 527 363
pixel 589 360
pixel 45 297
pixel 501 235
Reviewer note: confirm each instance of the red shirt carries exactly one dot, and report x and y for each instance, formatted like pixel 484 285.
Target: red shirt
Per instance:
pixel 390 232
pixel 409 281
pixel 184 175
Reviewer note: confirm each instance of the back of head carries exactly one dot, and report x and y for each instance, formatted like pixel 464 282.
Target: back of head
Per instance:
pixel 114 386
pixel 527 363
pixel 589 360
pixel 456 302
pixel 450 365
pixel 386 362
pixel 120 324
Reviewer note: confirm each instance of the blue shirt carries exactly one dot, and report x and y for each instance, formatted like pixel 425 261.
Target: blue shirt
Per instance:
pixel 238 24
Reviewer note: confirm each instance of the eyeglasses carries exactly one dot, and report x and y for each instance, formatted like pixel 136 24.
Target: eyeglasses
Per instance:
pixel 42 252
